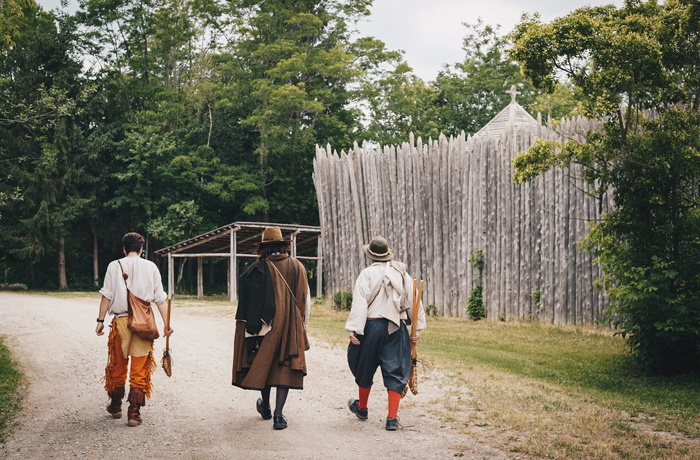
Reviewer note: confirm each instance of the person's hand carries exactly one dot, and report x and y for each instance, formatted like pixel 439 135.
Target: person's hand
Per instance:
pixel 100 329
pixel 354 340
pixel 414 340
pixel 168 332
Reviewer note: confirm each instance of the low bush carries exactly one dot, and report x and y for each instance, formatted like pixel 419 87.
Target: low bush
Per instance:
pixel 342 301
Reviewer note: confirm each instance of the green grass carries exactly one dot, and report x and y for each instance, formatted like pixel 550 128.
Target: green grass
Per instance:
pixel 588 360
pixel 60 294
pixel 559 392
pixel 10 379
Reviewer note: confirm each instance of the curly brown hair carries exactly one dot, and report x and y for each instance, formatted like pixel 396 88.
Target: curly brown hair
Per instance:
pixel 132 242
pixel 265 250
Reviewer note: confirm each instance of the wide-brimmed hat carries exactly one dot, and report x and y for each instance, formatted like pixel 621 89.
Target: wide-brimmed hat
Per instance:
pixel 272 235
pixel 378 249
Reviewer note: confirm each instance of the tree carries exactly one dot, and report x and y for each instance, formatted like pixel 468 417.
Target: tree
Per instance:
pixel 10 12
pixel 472 92
pixel 562 102
pixel 159 74
pixel 394 102
pixel 291 68
pixel 46 135
pixel 464 96
pixel 636 68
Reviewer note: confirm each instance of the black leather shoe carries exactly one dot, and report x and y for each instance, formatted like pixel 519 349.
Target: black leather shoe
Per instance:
pixel 353 406
pixel 279 422
pixel 266 414
pixel 392 424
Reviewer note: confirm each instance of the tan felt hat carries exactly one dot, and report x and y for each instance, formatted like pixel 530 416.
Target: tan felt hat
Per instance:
pixel 272 235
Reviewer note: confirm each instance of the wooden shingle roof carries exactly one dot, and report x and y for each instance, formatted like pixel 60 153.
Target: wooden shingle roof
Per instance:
pixel 218 241
pixel 512 116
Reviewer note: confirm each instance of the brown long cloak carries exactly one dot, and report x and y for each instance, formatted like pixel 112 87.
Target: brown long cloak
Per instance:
pixel 280 361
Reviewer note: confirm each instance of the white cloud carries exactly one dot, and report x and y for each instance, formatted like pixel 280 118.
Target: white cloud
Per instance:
pixel 431 33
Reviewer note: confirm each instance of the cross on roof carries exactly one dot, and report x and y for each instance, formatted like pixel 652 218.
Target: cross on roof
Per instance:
pixel 513 92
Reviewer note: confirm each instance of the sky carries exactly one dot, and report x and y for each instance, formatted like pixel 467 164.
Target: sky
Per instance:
pixel 430 32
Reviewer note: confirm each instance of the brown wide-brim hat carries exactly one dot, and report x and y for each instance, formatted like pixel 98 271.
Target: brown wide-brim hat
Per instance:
pixel 378 249
pixel 272 235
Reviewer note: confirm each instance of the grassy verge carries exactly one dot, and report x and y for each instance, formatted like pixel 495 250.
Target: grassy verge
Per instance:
pixel 9 384
pixel 550 392
pixel 59 294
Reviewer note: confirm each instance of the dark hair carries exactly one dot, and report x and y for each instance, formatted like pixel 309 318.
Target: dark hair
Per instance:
pixel 265 250
pixel 132 242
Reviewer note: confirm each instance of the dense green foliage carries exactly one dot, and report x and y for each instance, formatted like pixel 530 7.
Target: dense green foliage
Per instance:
pixel 9 385
pixel 173 117
pixel 646 57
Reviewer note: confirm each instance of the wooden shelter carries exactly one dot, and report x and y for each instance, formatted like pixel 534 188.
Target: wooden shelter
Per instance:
pixel 236 241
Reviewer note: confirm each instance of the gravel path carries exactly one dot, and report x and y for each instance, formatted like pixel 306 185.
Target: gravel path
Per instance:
pixel 197 414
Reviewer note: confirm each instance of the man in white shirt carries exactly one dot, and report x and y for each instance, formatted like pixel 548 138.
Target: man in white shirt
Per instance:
pixel 144 281
pixel 381 305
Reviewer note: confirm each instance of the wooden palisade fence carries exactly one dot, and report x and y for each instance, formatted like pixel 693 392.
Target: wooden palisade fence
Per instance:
pixel 436 202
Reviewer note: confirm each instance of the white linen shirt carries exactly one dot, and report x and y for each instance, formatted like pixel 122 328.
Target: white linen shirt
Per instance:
pixel 144 281
pixel 365 287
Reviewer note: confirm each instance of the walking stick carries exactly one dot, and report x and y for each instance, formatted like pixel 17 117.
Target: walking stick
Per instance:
pixel 167 360
pixel 413 378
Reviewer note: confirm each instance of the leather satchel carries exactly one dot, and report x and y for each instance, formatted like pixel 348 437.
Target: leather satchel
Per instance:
pixel 142 321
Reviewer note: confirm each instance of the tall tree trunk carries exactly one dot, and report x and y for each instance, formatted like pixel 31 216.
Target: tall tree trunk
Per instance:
pixel 30 271
pixel 263 176
pixel 211 124
pixel 182 270
pixel 95 266
pixel 62 283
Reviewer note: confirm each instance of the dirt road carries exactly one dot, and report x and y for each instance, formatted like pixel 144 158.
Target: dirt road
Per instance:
pixel 197 414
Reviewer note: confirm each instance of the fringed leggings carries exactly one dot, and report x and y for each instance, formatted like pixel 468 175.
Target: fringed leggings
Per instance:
pixel 141 368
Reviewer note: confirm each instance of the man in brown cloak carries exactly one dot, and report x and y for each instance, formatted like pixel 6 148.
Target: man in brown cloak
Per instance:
pixel 271 320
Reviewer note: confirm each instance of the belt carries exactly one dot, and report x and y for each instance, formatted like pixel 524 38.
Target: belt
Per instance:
pixel 407 322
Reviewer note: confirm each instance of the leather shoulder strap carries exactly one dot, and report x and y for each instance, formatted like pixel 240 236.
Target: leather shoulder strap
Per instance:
pixel 285 281
pixel 374 297
pixel 124 275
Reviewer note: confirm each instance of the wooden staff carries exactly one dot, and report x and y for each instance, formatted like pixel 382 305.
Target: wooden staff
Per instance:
pixel 167 360
pixel 413 377
pixel 414 320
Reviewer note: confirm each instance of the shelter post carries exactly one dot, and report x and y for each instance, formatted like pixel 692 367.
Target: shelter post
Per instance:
pixel 200 279
pixel 232 272
pixel 294 243
pixel 171 275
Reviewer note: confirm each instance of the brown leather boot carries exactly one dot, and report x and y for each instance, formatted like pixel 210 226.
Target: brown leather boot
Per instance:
pixel 115 406
pixel 137 398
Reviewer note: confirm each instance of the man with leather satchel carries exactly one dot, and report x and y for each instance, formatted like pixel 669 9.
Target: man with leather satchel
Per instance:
pixel 130 285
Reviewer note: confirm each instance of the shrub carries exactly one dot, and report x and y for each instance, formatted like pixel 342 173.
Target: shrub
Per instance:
pixel 431 310
pixel 475 304
pixel 342 300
